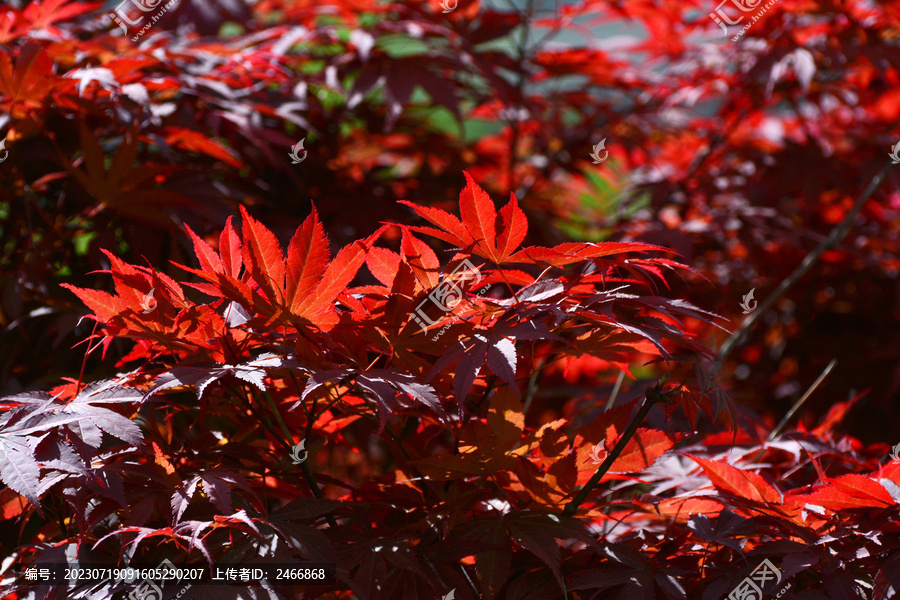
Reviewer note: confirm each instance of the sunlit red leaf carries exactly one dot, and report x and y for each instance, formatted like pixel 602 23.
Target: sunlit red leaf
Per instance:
pixel 744 484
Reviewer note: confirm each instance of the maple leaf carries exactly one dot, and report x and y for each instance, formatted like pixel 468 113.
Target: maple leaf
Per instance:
pixel 147 305
pixel 125 187
pixel 743 484
pixel 252 372
pixel 723 530
pixel 421 259
pixel 847 491
pixel 43 14
pixel 28 83
pixel 480 230
pixel 222 270
pixel 35 415
pixel 264 258
pixel 197 142
pixel 383 385
pixel 632 572
pixel 641 451
pixel 302 287
pixel 495 347
pixel 18 469
pixel 307 259
pixel 574 252
pixel 487 446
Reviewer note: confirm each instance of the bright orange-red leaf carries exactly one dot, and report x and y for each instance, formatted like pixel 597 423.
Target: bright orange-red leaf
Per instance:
pixel 27 83
pixel 337 276
pixel 46 12
pixel 450 228
pixel 732 480
pixel 849 491
pixel 263 257
pixel 512 226
pixel 104 305
pixel 209 260
pixel 383 264
pixel 479 216
pixel 307 259
pixel 230 249
pixel 641 451
pixel 421 258
pixel 194 141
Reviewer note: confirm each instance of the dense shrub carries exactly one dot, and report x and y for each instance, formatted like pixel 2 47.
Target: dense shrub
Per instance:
pixel 479 456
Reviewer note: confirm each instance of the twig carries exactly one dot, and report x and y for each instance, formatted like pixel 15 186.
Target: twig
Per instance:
pixel 615 392
pixel 532 382
pixel 837 234
pixel 796 407
pixel 654 395
pixel 784 421
pixel 304 466
pixel 426 491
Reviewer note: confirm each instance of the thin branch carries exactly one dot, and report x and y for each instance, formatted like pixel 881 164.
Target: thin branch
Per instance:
pixel 837 234
pixel 784 421
pixel 304 466
pixel 787 417
pixel 654 395
pixel 615 392
pixel 532 382
pixel 261 416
